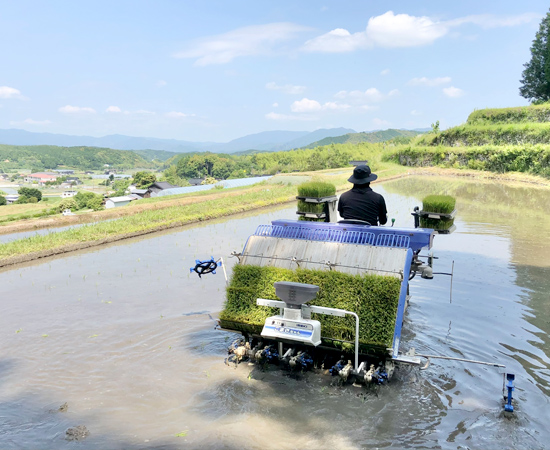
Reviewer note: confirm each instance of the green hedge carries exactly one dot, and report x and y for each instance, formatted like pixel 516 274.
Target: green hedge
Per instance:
pixel 499 134
pixel 534 159
pixel 533 113
pixel 374 298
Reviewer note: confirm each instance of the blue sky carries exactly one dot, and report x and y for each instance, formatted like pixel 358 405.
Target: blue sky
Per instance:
pixel 219 70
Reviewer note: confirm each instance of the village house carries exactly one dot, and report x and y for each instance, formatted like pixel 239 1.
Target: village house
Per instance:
pixel 41 177
pixel 11 198
pixel 158 186
pixel 139 193
pixel 68 194
pixel 115 202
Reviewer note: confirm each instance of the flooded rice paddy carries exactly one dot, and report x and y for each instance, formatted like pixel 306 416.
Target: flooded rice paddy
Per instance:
pixel 121 340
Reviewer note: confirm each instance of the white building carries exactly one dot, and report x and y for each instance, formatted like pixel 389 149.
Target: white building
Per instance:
pixel 68 194
pixel 11 198
pixel 115 202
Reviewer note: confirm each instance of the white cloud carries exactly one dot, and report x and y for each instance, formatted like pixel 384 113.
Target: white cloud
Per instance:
pixel 335 106
pixel 309 106
pixel 453 92
pixel 305 105
pixel 287 88
pixel 149 113
pixel 161 83
pixel 245 41
pixel 76 109
pixel 414 112
pixel 337 41
pixel 402 30
pixel 393 93
pixel 385 72
pixel 370 95
pixel 9 92
pixel 429 81
pixel 275 105
pixel 391 30
pixel 178 115
pixel 113 109
pixel 380 122
pixel 31 122
pixel 277 116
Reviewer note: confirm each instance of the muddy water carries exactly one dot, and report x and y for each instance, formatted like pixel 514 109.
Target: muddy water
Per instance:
pixel 125 336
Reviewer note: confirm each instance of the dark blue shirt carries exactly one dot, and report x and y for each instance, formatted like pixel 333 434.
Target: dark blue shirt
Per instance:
pixel 363 204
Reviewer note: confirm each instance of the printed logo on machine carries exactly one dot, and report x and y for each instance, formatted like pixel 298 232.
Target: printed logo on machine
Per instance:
pixel 291 331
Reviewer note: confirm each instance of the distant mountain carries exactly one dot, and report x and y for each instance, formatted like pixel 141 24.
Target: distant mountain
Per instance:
pixel 314 136
pixel 114 141
pixel 265 141
pixel 355 138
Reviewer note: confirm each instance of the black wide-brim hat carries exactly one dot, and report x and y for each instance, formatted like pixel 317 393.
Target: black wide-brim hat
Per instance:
pixel 362 175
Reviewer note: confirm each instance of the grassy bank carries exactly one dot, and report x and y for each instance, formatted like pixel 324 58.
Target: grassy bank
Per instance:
pixel 148 221
pixel 498 140
pixel 532 159
pixel 520 114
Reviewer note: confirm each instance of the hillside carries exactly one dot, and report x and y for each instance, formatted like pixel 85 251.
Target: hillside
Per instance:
pixel 45 157
pixel 264 141
pixel 499 140
pixel 356 138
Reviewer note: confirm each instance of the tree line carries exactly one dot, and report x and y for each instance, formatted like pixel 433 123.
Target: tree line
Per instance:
pixel 225 166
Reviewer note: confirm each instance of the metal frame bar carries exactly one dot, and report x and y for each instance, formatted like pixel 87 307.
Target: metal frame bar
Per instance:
pixel 319 310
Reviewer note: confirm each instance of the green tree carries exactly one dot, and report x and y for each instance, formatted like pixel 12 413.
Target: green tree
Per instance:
pixel 67 203
pixel 31 192
pixel 95 203
pixel 22 200
pixel 83 197
pixel 3 200
pixel 144 179
pixel 120 187
pixel 535 81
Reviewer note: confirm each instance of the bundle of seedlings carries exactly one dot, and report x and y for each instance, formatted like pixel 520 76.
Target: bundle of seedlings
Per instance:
pixel 442 204
pixel 317 190
pixel 373 298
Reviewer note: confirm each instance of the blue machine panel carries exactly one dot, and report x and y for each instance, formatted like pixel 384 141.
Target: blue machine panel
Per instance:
pixel 414 238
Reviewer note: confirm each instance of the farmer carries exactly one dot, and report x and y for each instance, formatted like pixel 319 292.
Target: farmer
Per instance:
pixel 361 202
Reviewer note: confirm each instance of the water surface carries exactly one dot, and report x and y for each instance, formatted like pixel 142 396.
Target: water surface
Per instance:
pixel 125 335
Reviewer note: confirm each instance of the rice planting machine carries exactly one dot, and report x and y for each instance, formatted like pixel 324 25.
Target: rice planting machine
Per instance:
pixel 291 332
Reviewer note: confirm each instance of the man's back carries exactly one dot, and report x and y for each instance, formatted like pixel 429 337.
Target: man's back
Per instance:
pixel 362 203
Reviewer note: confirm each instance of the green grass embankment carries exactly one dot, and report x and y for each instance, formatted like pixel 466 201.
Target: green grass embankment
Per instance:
pixel 533 159
pixel 496 140
pixel 142 223
pixel 498 134
pixel 520 114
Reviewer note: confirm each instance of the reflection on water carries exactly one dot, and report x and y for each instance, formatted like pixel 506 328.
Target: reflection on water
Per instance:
pixel 124 334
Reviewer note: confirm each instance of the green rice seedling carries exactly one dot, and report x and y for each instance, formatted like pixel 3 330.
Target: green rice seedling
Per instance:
pixel 439 204
pixel 444 204
pixel 313 208
pixel 316 189
pixel 436 224
pixel 311 219
pixel 374 298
